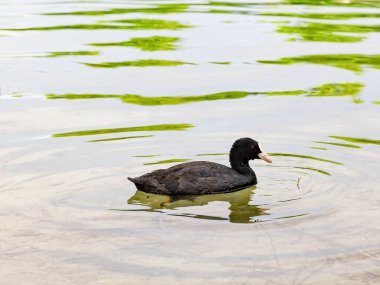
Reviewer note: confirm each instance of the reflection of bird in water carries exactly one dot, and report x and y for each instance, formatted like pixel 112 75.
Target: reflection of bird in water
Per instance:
pixel 203 177
pixel 240 209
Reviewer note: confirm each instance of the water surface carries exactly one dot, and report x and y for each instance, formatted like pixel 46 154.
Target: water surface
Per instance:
pixel 93 92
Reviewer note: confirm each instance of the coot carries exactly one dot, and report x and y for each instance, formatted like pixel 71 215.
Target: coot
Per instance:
pixel 203 177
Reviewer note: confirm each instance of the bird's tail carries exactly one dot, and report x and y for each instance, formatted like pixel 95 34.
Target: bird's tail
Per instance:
pixel 139 185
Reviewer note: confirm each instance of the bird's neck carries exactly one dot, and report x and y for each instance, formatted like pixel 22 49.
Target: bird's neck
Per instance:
pixel 241 165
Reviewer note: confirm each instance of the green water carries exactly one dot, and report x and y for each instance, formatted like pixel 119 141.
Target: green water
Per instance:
pixel 153 128
pixel 130 24
pixel 330 89
pixel 121 138
pixel 353 62
pixel 137 63
pixel 94 92
pixel 167 161
pixel 154 43
pixel 324 16
pixel 322 32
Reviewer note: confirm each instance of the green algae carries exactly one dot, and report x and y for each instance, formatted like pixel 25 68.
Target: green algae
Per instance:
pixel 324 32
pixel 158 9
pixel 357 140
pixel 151 128
pixel 323 16
pixel 137 63
pixel 154 43
pixel 339 144
pixel 121 138
pixel 353 62
pixel 305 157
pixel 168 161
pixel 132 24
pixel 72 53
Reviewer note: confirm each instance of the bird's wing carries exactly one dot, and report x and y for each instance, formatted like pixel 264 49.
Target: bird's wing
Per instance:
pixel 197 178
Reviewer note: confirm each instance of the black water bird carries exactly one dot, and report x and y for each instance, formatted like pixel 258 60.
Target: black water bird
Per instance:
pixel 203 177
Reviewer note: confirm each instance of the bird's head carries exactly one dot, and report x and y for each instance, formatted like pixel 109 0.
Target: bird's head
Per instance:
pixel 246 149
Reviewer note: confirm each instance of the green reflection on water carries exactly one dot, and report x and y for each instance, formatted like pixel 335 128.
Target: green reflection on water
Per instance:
pixel 150 24
pixel 183 8
pixel 83 96
pixel 314 169
pixel 147 155
pixel 133 24
pixel 338 89
pixel 156 101
pixel 275 21
pixel 158 9
pixel 220 62
pixel 167 161
pixel 327 32
pixel 152 128
pixel 292 216
pixel 240 210
pixel 72 53
pixel 353 62
pixel 350 3
pixel 284 93
pixel 121 138
pixel 323 16
pixel 318 148
pixel 229 4
pixel 305 157
pixel 137 63
pixel 357 140
pixel 212 154
pixel 331 89
pixel 340 144
pixel 153 43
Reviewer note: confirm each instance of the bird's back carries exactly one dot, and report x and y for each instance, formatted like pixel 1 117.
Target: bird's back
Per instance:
pixel 192 178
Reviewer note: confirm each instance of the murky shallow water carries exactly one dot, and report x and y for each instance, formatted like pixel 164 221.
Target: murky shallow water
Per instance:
pixel 95 91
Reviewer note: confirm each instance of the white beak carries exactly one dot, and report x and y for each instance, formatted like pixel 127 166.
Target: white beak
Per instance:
pixel 265 157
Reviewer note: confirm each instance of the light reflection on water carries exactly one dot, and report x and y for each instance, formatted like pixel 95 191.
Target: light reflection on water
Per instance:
pixel 312 218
